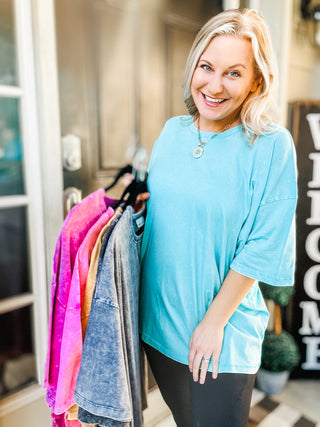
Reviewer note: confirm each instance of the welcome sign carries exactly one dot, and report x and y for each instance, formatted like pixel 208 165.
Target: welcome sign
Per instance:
pixel 306 302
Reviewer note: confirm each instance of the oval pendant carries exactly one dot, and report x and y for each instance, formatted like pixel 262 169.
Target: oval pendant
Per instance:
pixel 198 152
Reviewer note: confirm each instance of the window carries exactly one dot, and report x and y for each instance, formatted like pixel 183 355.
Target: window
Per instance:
pixel 22 255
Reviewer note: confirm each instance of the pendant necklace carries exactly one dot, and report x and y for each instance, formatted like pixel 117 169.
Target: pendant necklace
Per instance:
pixel 199 150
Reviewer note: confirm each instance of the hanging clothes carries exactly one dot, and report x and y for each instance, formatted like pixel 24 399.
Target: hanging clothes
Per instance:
pixel 109 389
pixel 71 344
pixel 76 225
pixel 76 279
pixel 90 286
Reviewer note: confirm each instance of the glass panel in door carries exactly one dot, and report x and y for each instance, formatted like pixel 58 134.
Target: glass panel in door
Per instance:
pixel 11 168
pixel 8 65
pixel 17 361
pixel 14 274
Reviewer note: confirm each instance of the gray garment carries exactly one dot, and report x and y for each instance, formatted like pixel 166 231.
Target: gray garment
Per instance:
pixel 108 385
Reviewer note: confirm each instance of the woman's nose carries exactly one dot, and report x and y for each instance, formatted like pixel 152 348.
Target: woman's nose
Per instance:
pixel 215 85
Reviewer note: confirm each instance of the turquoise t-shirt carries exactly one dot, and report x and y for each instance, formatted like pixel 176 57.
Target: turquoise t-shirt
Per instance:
pixel 231 208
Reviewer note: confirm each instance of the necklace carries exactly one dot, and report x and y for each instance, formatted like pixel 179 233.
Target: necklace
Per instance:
pixel 199 150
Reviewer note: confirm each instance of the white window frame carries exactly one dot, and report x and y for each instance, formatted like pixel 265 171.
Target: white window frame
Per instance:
pixel 41 191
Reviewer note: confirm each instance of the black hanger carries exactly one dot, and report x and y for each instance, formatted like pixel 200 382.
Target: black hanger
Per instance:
pixel 122 171
pixel 133 190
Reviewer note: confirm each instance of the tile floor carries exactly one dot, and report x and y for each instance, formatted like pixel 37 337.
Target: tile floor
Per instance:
pixel 299 402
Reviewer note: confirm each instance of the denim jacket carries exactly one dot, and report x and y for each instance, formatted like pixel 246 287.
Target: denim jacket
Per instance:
pixel 108 385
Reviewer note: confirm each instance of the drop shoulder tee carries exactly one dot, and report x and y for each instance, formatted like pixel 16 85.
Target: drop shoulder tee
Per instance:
pixel 231 208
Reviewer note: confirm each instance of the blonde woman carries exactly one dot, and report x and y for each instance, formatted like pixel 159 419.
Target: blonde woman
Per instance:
pixel 222 185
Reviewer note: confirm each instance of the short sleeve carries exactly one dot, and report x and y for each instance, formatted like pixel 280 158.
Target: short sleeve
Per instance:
pixel 266 252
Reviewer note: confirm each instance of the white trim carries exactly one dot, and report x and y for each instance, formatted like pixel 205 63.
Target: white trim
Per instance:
pixel 14 303
pixel 284 60
pixel 7 202
pixel 33 178
pixel 10 91
pixel 21 398
pixel 254 4
pixel 230 4
pixel 49 116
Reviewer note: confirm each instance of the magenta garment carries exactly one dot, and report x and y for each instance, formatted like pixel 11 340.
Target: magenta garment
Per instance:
pixel 76 225
pixel 62 421
pixel 71 346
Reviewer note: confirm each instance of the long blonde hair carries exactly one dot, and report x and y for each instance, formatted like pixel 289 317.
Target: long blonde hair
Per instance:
pixel 245 23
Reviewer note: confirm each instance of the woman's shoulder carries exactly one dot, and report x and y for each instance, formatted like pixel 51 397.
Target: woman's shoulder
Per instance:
pixel 178 122
pixel 277 139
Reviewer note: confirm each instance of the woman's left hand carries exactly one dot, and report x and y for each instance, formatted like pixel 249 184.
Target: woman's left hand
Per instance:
pixel 205 343
pixel 141 198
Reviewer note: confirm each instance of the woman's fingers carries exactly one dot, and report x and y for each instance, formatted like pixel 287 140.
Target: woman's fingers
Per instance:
pixel 204 368
pixel 140 199
pixel 196 366
pixel 190 358
pixel 215 368
pixel 143 196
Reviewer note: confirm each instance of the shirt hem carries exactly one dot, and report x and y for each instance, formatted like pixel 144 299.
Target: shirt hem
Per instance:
pixel 223 368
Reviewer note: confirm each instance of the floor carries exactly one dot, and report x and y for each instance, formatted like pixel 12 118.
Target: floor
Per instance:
pixel 299 405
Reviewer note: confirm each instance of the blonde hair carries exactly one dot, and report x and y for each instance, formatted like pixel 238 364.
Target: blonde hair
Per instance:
pixel 245 23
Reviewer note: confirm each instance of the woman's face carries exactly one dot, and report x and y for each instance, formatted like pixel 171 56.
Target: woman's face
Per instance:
pixel 222 80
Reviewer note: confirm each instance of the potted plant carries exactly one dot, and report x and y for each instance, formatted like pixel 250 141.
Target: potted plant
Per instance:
pixel 280 353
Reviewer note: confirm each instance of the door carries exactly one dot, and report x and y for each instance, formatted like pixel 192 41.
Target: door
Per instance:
pixel 23 288
pixel 120 69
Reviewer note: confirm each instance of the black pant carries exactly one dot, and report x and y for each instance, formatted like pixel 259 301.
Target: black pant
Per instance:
pixel 223 402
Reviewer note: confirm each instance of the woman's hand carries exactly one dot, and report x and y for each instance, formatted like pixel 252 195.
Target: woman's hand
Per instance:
pixel 205 343
pixel 141 198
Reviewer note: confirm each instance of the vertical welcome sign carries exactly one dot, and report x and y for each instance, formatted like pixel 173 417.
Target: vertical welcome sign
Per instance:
pixel 306 302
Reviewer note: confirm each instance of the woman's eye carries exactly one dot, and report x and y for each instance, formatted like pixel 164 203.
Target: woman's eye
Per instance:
pixel 234 74
pixel 205 67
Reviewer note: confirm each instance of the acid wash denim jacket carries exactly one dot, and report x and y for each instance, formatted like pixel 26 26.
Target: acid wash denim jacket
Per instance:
pixel 108 389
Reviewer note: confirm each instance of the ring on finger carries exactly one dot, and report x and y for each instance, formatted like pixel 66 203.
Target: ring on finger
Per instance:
pixel 206 359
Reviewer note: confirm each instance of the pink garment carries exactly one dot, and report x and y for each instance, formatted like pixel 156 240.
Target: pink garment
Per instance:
pixel 76 225
pixel 62 421
pixel 71 346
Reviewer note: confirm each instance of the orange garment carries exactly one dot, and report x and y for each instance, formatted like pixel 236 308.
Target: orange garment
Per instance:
pixel 92 273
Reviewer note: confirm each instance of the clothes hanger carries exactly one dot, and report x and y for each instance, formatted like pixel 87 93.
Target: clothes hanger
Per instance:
pixel 121 172
pixel 135 188
pixel 139 182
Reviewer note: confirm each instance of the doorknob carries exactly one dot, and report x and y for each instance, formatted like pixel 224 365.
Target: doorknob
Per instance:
pixel 71 197
pixel 71 148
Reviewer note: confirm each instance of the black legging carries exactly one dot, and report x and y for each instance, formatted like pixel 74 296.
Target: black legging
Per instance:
pixel 223 402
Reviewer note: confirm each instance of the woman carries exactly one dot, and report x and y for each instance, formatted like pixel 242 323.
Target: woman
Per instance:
pixel 220 218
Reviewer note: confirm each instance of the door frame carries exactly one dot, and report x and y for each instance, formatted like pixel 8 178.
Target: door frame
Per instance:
pixel 43 198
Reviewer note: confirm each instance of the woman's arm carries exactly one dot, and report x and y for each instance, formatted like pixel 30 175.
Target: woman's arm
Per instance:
pixel 206 340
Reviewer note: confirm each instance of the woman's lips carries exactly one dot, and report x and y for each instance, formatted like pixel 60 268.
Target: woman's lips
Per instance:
pixel 213 102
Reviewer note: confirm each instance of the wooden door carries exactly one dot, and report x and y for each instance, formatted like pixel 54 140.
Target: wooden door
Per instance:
pixel 120 70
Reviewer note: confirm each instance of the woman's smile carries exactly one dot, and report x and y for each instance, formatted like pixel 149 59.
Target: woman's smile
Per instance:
pixel 213 102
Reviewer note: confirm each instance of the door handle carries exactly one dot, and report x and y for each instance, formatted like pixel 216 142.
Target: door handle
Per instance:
pixel 71 148
pixel 71 197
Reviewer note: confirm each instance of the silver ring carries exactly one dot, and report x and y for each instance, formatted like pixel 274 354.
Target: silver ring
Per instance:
pixel 206 359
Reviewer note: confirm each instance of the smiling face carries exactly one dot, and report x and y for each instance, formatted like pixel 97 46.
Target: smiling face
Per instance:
pixel 222 80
